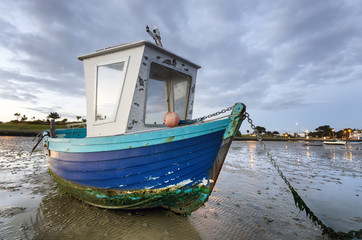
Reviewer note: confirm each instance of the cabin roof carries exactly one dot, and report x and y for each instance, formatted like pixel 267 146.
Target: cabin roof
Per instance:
pixel 117 48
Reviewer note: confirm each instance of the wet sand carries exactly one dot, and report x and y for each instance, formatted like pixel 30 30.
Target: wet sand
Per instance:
pixel 250 201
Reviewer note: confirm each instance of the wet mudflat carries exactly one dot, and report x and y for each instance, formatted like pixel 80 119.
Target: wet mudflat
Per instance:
pixel 250 201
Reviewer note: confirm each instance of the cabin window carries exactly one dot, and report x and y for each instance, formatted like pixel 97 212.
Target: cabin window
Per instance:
pixel 167 91
pixel 110 80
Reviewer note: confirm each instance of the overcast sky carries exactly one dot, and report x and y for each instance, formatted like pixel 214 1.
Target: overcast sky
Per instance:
pixel 295 64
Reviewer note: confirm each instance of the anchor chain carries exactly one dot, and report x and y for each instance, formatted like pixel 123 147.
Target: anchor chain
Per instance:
pixel 214 114
pixel 297 199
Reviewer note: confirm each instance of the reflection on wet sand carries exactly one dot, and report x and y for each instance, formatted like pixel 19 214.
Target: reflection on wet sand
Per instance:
pixel 252 147
pixel 62 217
pixel 308 153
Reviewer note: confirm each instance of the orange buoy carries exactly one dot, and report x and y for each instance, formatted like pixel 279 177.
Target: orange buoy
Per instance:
pixel 171 119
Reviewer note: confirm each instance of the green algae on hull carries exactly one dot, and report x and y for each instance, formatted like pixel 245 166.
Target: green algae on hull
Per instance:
pixel 177 199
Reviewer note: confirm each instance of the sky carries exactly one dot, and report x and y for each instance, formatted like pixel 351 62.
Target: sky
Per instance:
pixel 297 65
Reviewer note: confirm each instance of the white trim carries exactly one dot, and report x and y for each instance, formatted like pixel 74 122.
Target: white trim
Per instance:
pixel 125 67
pixel 125 46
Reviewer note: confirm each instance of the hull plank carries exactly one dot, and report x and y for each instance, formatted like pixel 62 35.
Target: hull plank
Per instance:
pixel 137 140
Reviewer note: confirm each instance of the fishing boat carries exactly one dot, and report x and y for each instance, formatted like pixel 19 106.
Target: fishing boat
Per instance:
pixel 335 142
pixel 354 142
pixel 129 156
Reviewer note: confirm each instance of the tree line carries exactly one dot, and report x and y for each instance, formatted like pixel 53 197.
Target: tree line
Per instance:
pixel 52 115
pixel 320 132
pixel 327 131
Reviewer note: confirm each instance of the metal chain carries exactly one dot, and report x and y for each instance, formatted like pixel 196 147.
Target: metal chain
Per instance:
pixel 260 139
pixel 297 199
pixel 214 114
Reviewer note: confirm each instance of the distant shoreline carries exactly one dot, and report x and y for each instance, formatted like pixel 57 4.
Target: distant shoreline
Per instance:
pixel 32 133
pixel 24 129
pixel 19 133
pixel 278 139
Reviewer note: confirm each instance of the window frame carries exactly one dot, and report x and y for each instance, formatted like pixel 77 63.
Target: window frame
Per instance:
pixel 170 104
pixel 120 91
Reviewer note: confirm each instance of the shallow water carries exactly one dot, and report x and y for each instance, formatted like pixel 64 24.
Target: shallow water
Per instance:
pixel 250 200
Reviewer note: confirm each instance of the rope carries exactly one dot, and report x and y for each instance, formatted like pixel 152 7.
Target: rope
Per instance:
pixel 39 140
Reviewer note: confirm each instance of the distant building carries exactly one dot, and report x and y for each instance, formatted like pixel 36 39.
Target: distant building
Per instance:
pixel 302 134
pixel 357 135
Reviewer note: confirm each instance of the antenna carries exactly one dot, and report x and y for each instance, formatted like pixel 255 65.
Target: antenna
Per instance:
pixel 155 34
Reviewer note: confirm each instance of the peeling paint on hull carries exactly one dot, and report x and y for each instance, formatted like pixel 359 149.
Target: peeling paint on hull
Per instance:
pixel 179 174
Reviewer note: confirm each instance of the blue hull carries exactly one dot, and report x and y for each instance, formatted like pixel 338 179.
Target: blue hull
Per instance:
pixel 176 168
pixel 156 166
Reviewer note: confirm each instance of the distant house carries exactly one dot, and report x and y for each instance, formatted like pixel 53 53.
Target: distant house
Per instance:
pixel 356 135
pixel 302 134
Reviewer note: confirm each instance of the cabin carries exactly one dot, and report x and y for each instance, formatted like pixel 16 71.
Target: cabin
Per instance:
pixel 130 87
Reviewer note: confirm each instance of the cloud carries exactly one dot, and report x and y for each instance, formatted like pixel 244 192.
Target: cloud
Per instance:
pixel 18 95
pixel 14 80
pixel 269 54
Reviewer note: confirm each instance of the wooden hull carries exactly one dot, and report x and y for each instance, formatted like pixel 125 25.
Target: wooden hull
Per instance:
pixel 175 168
